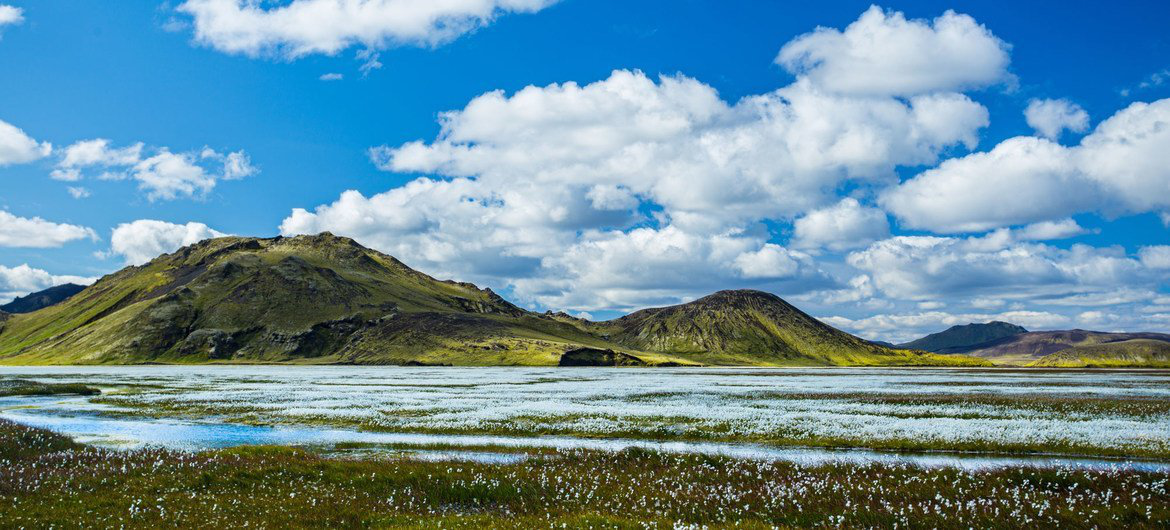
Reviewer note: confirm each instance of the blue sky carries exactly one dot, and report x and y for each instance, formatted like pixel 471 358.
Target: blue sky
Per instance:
pixel 896 239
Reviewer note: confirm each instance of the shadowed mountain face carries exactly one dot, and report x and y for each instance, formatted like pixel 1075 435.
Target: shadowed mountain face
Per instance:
pixel 959 339
pixel 42 299
pixel 327 299
pixel 1073 348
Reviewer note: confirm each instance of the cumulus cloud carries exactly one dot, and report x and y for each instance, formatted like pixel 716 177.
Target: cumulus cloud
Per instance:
pixel 528 175
pixel 1050 230
pixel 556 190
pixel 23 279
pixel 845 225
pixel 676 143
pixel 161 175
pixel 997 265
pixel 304 27
pixel 143 240
pixel 1051 117
pixel 39 233
pixel 1122 167
pixel 649 266
pixel 883 53
pixel 10 15
pixel 1156 256
pixel 16 147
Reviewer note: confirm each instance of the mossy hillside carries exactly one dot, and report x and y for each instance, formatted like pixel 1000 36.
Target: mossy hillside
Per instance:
pixel 759 325
pixel 327 299
pixel 1143 353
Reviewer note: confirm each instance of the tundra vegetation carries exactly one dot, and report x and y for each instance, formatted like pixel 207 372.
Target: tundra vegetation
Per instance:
pixel 47 480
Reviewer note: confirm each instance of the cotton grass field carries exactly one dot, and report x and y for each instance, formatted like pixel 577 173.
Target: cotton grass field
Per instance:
pixel 1101 413
pixel 49 481
pixel 278 447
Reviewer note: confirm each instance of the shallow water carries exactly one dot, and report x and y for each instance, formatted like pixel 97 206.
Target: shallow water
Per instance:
pixel 68 416
pixel 211 403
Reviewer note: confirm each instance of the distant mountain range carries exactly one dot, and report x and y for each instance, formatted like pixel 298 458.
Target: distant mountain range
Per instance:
pixel 42 299
pixel 1008 344
pixel 327 299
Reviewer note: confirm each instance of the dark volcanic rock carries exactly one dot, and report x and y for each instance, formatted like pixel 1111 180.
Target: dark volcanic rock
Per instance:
pixel 597 357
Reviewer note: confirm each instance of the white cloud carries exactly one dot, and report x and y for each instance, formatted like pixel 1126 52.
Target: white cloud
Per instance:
pixel 1051 117
pixel 16 147
pixel 927 268
pixel 1155 256
pixel 39 233
pixel 10 15
pixel 78 192
pixel 23 279
pixel 534 172
pixel 676 143
pixel 648 266
pixel 770 261
pixel 883 53
pixel 333 76
pixel 555 190
pixel 1050 230
pixel 97 152
pixel 162 175
pixel 143 240
pixel 845 225
pixel 304 27
pixel 1122 167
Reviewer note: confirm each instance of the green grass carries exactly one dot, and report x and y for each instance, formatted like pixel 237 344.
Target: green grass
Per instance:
pixel 52 482
pixel 20 387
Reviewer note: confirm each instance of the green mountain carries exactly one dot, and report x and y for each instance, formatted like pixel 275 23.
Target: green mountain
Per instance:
pixel 42 299
pixel 1126 353
pixel 327 299
pixel 746 327
pixel 1053 348
pixel 959 339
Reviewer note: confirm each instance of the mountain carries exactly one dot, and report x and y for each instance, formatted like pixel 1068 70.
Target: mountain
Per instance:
pixel 743 327
pixel 1126 353
pixel 42 299
pixel 327 299
pixel 1053 348
pixel 958 339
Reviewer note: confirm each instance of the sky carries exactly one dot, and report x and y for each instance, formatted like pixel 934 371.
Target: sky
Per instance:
pixel 892 169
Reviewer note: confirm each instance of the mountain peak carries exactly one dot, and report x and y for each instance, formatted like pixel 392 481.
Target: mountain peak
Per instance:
pixel 958 339
pixel 42 299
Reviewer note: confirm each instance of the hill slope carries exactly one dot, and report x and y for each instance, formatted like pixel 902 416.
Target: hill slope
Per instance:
pixel 958 339
pixel 737 327
pixel 1122 354
pixel 1026 348
pixel 327 299
pixel 42 299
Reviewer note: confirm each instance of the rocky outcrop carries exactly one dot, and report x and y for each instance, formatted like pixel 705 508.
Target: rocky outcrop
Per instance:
pixel 598 357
